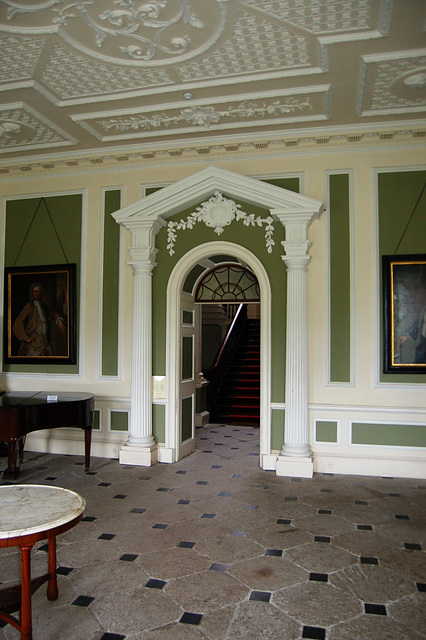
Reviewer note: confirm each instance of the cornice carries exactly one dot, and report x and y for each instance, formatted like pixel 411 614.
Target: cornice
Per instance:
pixel 220 148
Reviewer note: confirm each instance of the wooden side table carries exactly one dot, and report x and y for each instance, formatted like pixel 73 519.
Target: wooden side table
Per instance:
pixel 28 514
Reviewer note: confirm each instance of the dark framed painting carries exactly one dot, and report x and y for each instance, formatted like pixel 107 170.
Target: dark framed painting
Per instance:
pixel 404 304
pixel 40 314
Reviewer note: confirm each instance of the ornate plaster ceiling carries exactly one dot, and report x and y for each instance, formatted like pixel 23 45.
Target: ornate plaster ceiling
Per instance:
pixel 80 76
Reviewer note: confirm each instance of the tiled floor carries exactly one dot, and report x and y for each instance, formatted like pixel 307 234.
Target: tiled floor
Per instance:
pixel 215 548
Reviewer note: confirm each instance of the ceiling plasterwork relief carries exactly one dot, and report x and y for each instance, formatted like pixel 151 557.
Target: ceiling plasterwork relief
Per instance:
pixel 22 127
pixel 178 75
pixel 19 57
pixel 257 44
pixel 127 31
pixel 335 17
pixel 273 110
pixel 393 82
pixel 72 76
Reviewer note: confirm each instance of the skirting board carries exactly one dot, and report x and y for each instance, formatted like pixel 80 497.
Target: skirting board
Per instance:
pixel 371 466
pixel 46 442
pixel 72 442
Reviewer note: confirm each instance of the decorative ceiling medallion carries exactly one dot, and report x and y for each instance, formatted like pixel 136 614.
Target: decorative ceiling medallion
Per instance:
pixel 218 212
pixel 9 130
pixel 126 31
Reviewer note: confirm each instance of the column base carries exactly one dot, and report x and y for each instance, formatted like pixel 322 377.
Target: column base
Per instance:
pixel 202 418
pixel 139 456
pixel 295 467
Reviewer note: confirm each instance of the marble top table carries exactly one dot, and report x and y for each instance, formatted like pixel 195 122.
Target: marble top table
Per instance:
pixel 28 514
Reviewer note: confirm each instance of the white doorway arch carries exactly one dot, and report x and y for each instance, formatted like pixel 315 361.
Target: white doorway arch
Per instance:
pixel 144 219
pixel 174 288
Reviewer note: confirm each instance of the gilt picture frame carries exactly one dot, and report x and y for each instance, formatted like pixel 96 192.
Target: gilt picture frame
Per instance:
pixel 40 314
pixel 404 305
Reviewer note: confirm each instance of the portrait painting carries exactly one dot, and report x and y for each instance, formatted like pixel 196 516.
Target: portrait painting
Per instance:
pixel 404 297
pixel 40 314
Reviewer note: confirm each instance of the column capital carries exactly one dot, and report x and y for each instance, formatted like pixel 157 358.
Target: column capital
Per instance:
pixel 296 223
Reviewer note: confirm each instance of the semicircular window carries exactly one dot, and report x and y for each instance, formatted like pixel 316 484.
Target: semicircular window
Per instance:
pixel 228 283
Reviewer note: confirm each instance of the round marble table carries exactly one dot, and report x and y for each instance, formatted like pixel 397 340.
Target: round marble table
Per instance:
pixel 30 513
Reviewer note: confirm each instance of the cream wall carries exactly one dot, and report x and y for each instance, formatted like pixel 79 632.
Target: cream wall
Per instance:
pixel 365 398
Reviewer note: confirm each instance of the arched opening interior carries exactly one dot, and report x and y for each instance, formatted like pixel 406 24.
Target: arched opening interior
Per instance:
pixel 191 281
pixel 229 296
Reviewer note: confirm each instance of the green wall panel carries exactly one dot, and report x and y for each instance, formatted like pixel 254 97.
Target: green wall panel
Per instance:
pixel 340 281
pixel 186 419
pixel 119 421
pixel 159 422
pixel 110 284
pixel 326 431
pixel 402 224
pixel 43 232
pixel 393 435
pixel 277 429
pixel 187 359
pixel 96 420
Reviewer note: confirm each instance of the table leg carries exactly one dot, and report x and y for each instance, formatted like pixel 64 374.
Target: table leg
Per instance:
pixel 52 585
pixel 13 469
pixel 26 621
pixel 87 443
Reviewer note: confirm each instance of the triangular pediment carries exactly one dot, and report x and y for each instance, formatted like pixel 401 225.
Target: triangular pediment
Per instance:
pixel 200 186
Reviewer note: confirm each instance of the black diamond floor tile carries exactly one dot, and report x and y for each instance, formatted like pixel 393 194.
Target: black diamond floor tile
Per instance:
pixel 260 596
pixel 155 584
pixel 313 633
pixel 375 609
pixel 191 618
pixel 83 601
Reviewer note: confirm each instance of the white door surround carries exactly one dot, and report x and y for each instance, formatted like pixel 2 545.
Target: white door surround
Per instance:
pixel 144 219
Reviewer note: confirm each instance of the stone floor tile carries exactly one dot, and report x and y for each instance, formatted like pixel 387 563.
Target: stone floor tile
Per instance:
pixel 132 611
pixel 215 624
pixel 409 564
pixel 206 591
pixel 411 612
pixel 366 543
pixel 318 524
pixel 317 604
pixel 368 627
pixel 268 573
pixel 173 563
pixel 280 536
pixel 225 549
pixel 262 620
pixel 107 577
pixel 371 583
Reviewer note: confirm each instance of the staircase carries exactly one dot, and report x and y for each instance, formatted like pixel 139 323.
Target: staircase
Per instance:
pixel 238 396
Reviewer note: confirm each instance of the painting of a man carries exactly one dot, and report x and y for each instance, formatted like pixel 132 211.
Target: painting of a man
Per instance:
pixel 405 320
pixel 31 327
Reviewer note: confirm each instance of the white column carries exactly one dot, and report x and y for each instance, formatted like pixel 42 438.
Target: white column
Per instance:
pixel 295 458
pixel 140 448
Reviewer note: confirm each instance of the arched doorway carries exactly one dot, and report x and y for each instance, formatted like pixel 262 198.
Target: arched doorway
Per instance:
pixel 144 219
pixel 175 446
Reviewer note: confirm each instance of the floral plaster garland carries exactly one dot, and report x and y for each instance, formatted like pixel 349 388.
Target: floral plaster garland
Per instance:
pixel 218 212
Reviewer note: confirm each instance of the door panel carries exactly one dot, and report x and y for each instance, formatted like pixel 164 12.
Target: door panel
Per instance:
pixel 186 444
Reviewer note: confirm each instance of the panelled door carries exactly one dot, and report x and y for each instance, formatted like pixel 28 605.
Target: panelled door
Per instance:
pixel 187 398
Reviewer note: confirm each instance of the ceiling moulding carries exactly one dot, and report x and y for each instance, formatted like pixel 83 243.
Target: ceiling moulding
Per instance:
pixel 271 109
pixel 22 128
pixel 301 144
pixel 393 83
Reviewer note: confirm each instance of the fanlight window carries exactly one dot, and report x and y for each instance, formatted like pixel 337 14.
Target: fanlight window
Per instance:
pixel 228 283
